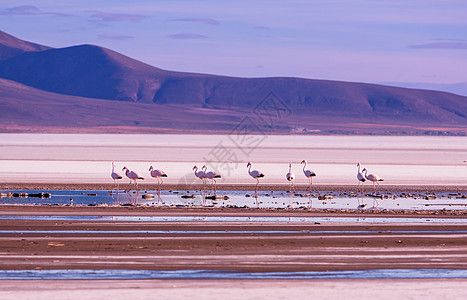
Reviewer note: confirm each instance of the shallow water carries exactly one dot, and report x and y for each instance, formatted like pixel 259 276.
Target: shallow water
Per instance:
pixel 272 199
pixel 229 274
pixel 85 158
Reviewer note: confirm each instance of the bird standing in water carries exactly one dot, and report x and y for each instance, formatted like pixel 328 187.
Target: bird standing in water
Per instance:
pixel 158 174
pixel 361 178
pixel 373 178
pixel 256 175
pixel 308 174
pixel 290 176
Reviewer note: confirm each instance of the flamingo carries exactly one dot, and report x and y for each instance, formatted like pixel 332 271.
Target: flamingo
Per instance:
pixel 132 175
pixel 116 177
pixel 155 173
pixel 308 174
pixel 256 175
pixel 290 177
pixel 374 178
pixel 211 175
pixel 360 177
pixel 201 175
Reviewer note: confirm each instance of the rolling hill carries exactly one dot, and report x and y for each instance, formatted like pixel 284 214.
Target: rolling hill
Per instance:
pixel 11 46
pixel 87 82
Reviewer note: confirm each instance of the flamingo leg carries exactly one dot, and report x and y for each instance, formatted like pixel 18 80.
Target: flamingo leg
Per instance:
pixel 158 187
pixel 127 191
pixel 256 188
pixel 309 187
pixel 204 186
pixel 159 199
pixel 118 188
pixel 137 192
pixel 215 190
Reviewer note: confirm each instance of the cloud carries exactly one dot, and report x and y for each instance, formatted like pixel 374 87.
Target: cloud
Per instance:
pixel 114 37
pixel 21 10
pixel 441 45
pixel 97 17
pixel 450 40
pixel 186 36
pixel 29 10
pixel 262 28
pixel 198 20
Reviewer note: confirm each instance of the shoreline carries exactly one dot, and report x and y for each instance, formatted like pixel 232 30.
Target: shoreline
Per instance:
pixel 144 210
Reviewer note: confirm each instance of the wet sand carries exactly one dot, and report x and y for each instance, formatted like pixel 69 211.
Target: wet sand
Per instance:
pixel 306 247
pixel 218 245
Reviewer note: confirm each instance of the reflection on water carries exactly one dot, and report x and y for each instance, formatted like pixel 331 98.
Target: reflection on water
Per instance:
pixel 239 199
pixel 229 274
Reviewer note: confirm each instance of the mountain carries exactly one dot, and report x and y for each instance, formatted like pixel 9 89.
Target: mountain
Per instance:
pixel 11 46
pixel 93 78
pixel 26 109
pixel 459 88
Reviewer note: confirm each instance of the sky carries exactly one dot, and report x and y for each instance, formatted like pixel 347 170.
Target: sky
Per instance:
pixel 376 41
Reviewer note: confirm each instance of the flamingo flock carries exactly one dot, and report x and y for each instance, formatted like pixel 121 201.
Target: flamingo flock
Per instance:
pixel 203 174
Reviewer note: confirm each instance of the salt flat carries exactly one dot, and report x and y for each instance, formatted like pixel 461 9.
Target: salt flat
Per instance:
pixel 83 158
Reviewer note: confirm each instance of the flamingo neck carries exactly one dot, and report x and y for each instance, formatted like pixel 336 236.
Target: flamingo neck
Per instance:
pixel 304 166
pixel 249 169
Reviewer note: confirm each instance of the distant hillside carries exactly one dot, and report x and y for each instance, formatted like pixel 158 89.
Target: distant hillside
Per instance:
pixel 11 46
pixel 459 88
pixel 26 109
pixel 97 75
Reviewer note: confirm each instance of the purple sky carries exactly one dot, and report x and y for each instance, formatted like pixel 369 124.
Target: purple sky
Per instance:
pixel 360 40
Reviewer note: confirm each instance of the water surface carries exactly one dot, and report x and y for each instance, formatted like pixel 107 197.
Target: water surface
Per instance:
pixel 229 274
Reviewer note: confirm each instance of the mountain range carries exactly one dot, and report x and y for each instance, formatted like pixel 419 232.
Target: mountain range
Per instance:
pixel 88 88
